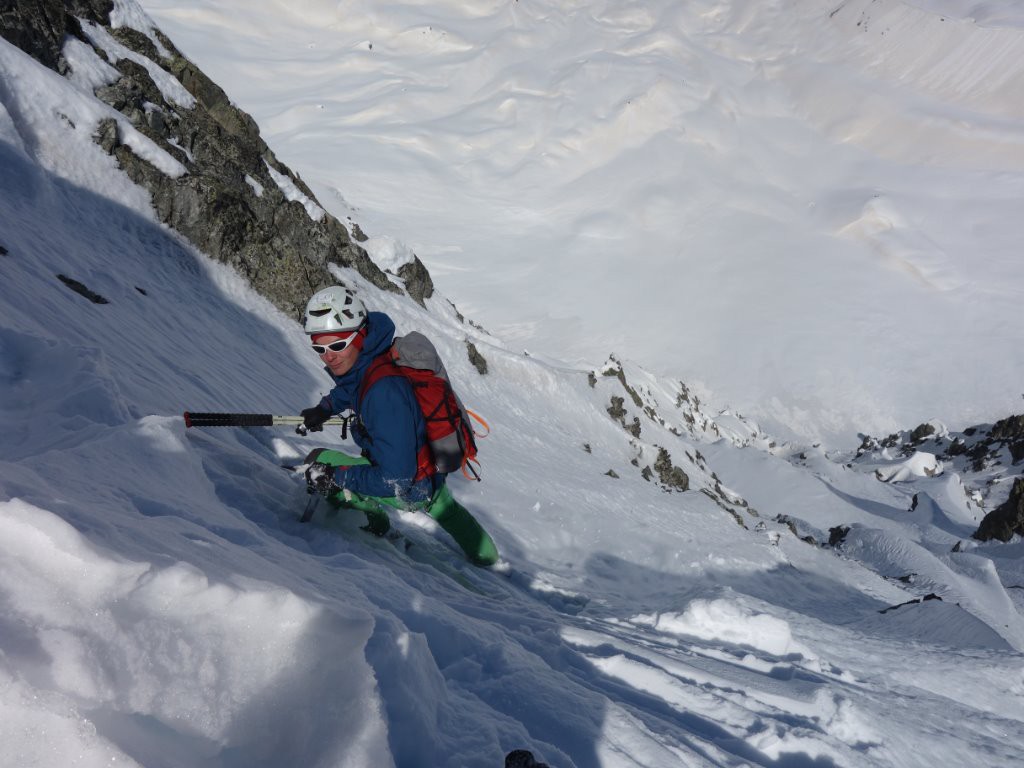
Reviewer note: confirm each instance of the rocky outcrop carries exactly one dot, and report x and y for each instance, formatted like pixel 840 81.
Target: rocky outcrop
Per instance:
pixel 39 27
pixel 1007 519
pixel 235 200
pixel 475 358
pixel 417 280
pixel 986 456
pixel 672 477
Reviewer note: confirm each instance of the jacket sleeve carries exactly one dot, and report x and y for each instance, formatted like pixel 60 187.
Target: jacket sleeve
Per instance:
pixel 392 419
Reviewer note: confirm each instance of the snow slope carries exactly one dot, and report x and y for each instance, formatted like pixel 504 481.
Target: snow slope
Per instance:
pixel 805 209
pixel 160 605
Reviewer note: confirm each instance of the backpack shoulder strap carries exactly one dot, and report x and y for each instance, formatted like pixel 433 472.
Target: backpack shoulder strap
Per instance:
pixel 382 366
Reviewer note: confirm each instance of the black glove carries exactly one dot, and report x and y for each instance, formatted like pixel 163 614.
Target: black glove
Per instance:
pixel 313 418
pixel 320 478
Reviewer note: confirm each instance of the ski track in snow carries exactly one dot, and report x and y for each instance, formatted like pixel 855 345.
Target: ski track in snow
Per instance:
pixel 161 605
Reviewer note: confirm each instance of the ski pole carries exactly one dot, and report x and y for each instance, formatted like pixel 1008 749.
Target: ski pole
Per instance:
pixel 250 420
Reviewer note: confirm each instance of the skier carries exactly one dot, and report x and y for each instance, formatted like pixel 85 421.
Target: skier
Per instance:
pixel 388 426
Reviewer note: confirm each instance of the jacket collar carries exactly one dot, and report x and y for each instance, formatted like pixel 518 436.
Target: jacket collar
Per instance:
pixel 380 334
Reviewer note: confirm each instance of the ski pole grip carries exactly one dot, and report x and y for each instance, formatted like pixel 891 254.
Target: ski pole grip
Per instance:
pixel 228 419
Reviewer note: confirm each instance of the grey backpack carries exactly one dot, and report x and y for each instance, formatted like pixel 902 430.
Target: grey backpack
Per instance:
pixel 450 441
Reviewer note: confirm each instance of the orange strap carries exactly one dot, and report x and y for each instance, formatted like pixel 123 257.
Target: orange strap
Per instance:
pixel 476 416
pixel 470 466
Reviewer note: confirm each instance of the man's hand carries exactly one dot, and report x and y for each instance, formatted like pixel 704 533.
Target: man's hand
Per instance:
pixel 313 418
pixel 320 478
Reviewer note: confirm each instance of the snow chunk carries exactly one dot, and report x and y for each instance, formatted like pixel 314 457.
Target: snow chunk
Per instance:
pixel 921 464
pixel 388 253
pixel 292 192
pixel 88 70
pixel 257 188
pixel 126 639
pixel 727 621
pixel 173 91
pixel 127 13
pixel 144 148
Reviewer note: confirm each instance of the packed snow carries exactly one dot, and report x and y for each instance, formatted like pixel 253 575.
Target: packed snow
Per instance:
pixel 160 603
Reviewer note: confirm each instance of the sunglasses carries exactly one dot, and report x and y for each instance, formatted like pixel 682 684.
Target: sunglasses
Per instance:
pixel 334 346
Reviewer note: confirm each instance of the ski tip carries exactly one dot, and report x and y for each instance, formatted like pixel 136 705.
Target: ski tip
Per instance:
pixel 188 419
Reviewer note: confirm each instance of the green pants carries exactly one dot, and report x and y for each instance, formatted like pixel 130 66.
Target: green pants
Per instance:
pixel 449 514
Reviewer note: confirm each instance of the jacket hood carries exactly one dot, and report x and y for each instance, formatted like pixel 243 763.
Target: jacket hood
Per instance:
pixel 379 336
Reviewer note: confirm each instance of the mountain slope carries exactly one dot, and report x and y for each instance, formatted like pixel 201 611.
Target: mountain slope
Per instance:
pixel 161 605
pixel 808 211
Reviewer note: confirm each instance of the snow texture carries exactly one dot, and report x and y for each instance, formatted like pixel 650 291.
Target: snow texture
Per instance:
pixel 160 604
pixel 807 211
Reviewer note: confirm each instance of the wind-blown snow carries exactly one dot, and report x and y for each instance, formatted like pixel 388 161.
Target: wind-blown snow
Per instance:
pixel 161 605
pixel 811 210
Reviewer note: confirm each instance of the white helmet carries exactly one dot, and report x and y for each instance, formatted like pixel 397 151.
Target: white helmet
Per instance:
pixel 334 309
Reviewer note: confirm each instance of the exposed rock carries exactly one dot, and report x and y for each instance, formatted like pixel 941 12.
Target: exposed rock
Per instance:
pixel 732 512
pixel 787 521
pixel 82 290
pixel 957 448
pixel 476 358
pixel 587 448
pixel 931 596
pixel 360 237
pixel 612 473
pixel 3 251
pixel 837 535
pixel 620 374
pixel 274 242
pixel 521 758
pixel 106 135
pixel 1005 520
pixel 921 432
pixel 417 280
pixel 671 476
pixel 1011 432
pixel 1011 428
pixel 617 412
pixel 39 27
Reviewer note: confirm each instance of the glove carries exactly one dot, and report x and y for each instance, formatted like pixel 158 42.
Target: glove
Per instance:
pixel 320 478
pixel 313 418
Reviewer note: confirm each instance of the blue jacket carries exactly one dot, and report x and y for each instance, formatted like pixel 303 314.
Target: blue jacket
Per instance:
pixel 391 429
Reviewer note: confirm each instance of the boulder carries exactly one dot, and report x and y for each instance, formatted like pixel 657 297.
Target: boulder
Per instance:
pixel 1005 520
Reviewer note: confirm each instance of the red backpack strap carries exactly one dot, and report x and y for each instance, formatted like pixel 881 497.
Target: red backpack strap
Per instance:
pixel 383 366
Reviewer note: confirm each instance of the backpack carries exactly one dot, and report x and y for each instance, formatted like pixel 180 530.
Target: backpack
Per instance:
pixel 451 443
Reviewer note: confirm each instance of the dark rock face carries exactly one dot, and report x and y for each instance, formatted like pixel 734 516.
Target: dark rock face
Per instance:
pixel 671 476
pixel 837 535
pixel 475 358
pixel 82 290
pixel 417 280
pixel 227 202
pixel 521 758
pixel 921 432
pixel 1011 428
pixel 39 27
pixel 1005 520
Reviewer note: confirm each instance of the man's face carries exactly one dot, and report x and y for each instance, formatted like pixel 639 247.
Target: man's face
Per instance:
pixel 341 362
